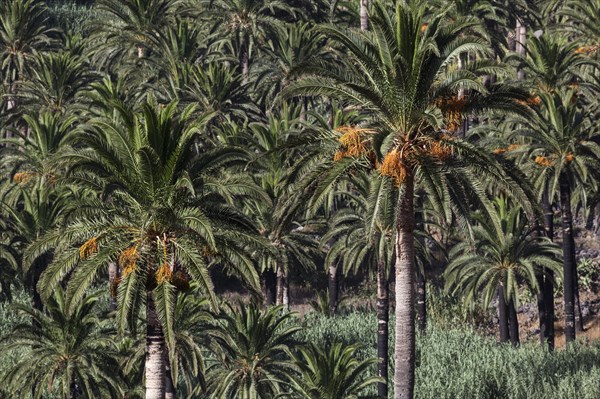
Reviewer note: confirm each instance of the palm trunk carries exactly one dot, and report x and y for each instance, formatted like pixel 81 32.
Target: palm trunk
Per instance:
pixel 404 346
pixel 280 285
pixel 244 63
pixel 286 291
pixel 548 287
pixel 520 40
pixel 568 258
pixel 333 289
pixel 270 287
pixel 421 302
pixel 581 322
pixel 502 316
pixel 113 279
pixel 364 15
pixel 169 383
pixel 155 353
pixel 383 309
pixel 513 324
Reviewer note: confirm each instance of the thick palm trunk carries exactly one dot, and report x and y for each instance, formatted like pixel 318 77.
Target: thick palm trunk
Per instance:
pixel 513 323
pixel 155 353
pixel 502 316
pixel 383 309
pixel 568 258
pixel 404 346
pixel 547 335
pixel 364 15
pixel 333 289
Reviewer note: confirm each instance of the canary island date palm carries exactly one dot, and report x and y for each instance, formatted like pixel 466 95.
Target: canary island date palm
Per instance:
pixel 502 255
pixel 24 28
pixel 582 16
pixel 244 23
pixel 402 74
pixel 550 64
pixel 286 52
pixel 56 82
pixel 280 216
pixel 156 218
pixel 564 154
pixel 333 372
pixel 67 354
pixel 252 352
pixel 363 236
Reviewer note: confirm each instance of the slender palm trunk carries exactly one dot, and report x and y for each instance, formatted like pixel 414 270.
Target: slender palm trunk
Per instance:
pixel 513 323
pixel 383 309
pixel 568 258
pixel 333 289
pixel 244 62
pixel 286 291
pixel 520 43
pixel 404 347
pixel 269 284
pixel 280 285
pixel 548 287
pixel 364 15
pixel 169 383
pixel 421 302
pixel 155 353
pixel 502 316
pixel 113 276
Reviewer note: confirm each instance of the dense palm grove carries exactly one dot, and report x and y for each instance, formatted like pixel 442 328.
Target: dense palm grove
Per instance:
pixel 159 157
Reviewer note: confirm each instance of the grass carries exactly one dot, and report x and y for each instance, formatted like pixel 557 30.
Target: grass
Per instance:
pixel 459 363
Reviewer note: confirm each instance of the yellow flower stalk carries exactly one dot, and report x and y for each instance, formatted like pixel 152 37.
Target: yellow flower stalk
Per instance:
pixel 88 248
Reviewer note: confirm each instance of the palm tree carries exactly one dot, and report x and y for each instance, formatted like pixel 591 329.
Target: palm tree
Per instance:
pixel 69 354
pixel 280 217
pixel 244 23
pixel 56 82
pixel 332 373
pixel 364 236
pixel 550 65
pixel 564 152
pixel 292 48
pixel 23 29
pixel 252 352
pixel 504 253
pixel 581 15
pixel 132 35
pixel 159 222
pixel 401 75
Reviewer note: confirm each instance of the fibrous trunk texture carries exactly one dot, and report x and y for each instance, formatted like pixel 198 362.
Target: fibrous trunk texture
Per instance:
pixel 155 353
pixel 364 15
pixel 404 346
pixel 421 302
pixel 547 333
pixel 270 286
pixel 383 309
pixel 502 316
pixel 513 323
pixel 568 258
pixel 333 289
